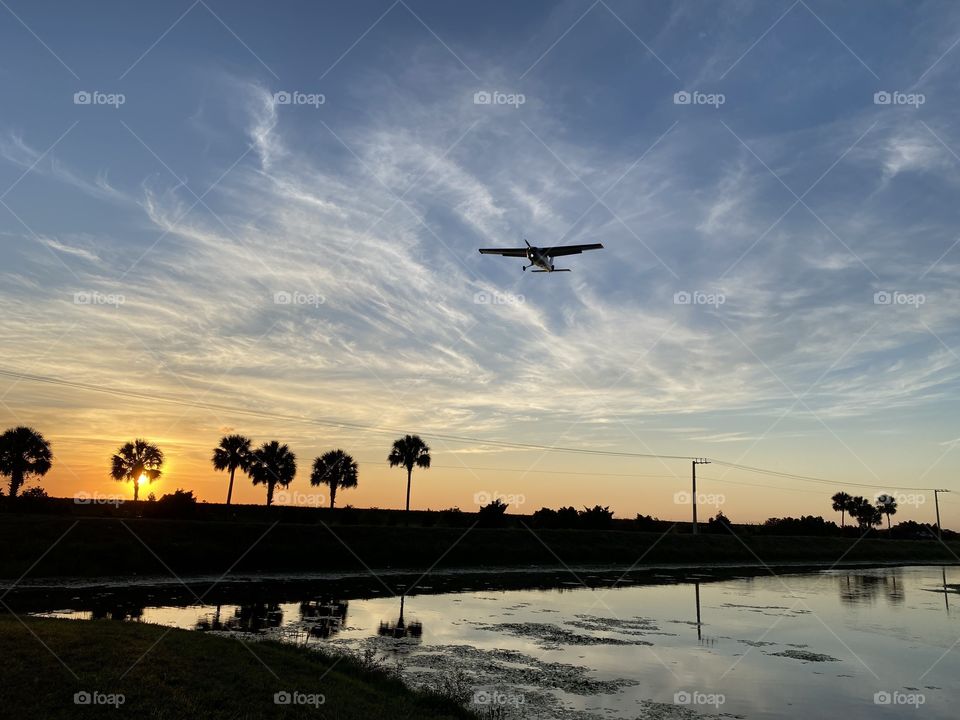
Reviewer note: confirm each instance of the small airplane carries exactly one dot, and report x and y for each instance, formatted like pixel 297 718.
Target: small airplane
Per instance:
pixel 541 257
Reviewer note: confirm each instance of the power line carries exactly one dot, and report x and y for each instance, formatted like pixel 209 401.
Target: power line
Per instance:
pixel 325 422
pixel 808 478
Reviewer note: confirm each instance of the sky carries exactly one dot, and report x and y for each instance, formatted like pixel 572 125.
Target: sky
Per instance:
pixel 276 208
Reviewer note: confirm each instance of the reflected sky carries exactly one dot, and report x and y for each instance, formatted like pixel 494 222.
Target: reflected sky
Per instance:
pixel 772 647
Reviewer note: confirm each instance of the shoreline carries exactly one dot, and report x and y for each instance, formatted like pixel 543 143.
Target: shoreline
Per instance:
pixel 159 581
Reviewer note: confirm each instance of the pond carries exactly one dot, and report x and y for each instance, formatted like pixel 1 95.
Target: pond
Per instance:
pixel 853 643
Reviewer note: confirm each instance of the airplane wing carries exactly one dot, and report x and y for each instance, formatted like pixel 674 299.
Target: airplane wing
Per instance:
pixel 570 249
pixel 506 252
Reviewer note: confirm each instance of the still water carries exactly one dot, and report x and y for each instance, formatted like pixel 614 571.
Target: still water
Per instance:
pixel 861 643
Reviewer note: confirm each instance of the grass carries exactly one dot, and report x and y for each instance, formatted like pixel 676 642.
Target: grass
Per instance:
pixel 51 546
pixel 183 674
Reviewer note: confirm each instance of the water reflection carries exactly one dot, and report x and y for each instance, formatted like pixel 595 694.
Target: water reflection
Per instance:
pixel 324 617
pixel 866 588
pixel 400 629
pixel 116 610
pixel 250 618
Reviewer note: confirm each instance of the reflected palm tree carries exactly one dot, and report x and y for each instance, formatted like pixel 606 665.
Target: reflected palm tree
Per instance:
pixel 865 589
pixel 324 617
pixel 252 618
pixel 116 610
pixel 401 630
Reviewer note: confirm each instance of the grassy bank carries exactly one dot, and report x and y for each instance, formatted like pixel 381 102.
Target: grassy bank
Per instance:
pixel 49 546
pixel 187 675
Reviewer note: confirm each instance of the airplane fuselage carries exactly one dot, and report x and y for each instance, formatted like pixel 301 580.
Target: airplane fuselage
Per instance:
pixel 540 259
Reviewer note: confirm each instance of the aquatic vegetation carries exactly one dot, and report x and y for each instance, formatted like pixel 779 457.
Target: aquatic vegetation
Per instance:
pixel 805 655
pixel 553 636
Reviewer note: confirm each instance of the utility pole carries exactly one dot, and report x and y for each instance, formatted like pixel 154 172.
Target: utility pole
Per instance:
pixel 693 468
pixel 936 502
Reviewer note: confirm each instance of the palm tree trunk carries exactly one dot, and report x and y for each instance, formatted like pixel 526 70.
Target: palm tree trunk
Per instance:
pixel 409 473
pixel 888 522
pixel 842 519
pixel 269 494
pixel 16 481
pixel 333 494
pixel 230 489
pixel 136 489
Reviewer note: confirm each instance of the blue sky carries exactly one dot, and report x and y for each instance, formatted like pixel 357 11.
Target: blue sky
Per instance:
pixel 795 198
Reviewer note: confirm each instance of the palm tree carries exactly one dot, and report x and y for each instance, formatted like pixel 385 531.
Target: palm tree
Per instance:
pixel 23 453
pixel 887 504
pixel 137 461
pixel 233 452
pixel 272 464
pixel 408 451
pixel 841 503
pixel 336 469
pixel 866 514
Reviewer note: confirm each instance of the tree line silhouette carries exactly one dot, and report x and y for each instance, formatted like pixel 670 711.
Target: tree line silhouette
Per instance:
pixel 860 509
pixel 25 455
